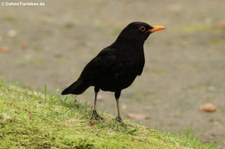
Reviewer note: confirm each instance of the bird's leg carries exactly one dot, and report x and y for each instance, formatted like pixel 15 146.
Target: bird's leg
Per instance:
pixel 94 112
pixel 119 119
pixel 117 96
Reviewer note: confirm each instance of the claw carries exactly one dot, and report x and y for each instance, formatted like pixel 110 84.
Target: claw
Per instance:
pixel 96 116
pixel 119 119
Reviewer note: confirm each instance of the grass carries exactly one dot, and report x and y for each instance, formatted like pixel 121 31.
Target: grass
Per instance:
pixel 30 119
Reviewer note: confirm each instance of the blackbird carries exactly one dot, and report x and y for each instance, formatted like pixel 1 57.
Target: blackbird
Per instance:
pixel 116 66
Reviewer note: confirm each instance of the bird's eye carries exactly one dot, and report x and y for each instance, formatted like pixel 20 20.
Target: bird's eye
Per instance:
pixel 142 28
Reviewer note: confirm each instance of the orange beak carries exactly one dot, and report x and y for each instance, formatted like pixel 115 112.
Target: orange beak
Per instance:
pixel 156 28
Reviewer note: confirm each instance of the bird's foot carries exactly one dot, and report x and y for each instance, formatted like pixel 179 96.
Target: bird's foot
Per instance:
pixel 119 119
pixel 95 116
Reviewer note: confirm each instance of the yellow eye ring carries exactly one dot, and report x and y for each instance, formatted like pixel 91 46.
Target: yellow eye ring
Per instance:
pixel 142 28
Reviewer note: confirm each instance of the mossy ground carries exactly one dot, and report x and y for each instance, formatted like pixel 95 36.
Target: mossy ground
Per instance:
pixel 30 119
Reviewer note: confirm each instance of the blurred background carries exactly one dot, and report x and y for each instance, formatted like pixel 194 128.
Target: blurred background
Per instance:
pixel 183 83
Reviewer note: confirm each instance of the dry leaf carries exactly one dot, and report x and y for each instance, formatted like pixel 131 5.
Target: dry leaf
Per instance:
pixel 208 107
pixel 4 50
pixel 221 23
pixel 24 45
pixel 29 86
pixel 138 116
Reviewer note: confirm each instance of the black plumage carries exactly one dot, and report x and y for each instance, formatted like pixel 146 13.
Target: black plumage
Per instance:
pixel 116 66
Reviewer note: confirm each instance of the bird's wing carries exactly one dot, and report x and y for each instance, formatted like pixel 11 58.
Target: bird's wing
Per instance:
pixel 141 66
pixel 98 65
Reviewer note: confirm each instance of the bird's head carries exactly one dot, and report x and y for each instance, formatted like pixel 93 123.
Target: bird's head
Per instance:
pixel 138 31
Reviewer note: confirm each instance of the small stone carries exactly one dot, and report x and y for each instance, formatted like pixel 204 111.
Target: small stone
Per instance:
pixel 100 97
pixel 212 88
pixel 12 33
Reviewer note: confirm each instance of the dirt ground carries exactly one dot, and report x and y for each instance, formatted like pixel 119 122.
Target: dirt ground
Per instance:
pixel 185 64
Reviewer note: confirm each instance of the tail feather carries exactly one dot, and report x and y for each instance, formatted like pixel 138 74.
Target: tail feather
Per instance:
pixel 77 87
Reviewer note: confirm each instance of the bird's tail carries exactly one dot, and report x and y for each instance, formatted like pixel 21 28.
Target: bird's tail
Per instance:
pixel 77 87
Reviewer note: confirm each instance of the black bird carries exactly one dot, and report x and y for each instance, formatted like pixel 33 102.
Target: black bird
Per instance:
pixel 116 66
